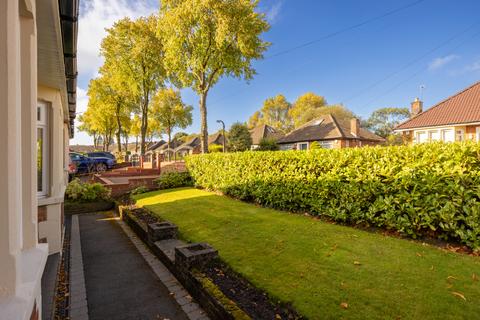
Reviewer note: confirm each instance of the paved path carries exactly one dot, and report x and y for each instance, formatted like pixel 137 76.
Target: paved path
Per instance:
pixel 119 282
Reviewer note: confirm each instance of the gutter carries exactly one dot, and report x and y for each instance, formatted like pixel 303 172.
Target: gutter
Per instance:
pixel 69 22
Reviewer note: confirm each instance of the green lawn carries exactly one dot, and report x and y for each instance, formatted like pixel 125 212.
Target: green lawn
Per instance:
pixel 317 265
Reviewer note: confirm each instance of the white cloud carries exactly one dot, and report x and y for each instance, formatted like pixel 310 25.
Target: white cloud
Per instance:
pixel 95 16
pixel 474 66
pixel 440 62
pixel 82 100
pixel 273 12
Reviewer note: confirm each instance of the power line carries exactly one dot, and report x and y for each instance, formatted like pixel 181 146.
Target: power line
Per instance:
pixel 422 69
pixel 355 26
pixel 330 35
pixel 410 63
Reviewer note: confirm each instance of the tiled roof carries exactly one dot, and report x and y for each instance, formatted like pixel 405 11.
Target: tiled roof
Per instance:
pixel 327 128
pixel 463 107
pixel 216 138
pixel 263 131
pixel 156 145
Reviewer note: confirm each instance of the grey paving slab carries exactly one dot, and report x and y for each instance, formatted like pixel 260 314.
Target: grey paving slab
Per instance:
pixel 78 297
pixel 120 283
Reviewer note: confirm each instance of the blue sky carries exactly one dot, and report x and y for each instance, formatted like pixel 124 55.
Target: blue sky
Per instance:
pixel 435 44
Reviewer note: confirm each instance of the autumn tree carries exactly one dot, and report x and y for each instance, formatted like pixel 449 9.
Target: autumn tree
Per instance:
pixel 239 138
pixel 276 113
pixel 180 136
pixel 338 111
pixel 135 129
pixel 383 121
pixel 206 40
pixel 134 50
pixel 86 125
pixel 170 111
pixel 255 120
pixel 100 114
pixel 306 108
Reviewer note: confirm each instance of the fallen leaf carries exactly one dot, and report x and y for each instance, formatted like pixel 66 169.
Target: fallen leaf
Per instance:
pixel 418 254
pixel 474 277
pixel 431 268
pixel 451 278
pixel 458 294
pixel 357 263
pixel 344 305
pixel 277 316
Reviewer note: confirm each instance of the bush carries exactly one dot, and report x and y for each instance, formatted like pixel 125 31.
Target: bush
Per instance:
pixel 174 180
pixel 139 190
pixel 215 148
pixel 267 144
pixel 427 189
pixel 86 192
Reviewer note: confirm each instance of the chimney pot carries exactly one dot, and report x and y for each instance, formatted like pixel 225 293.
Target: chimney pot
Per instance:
pixel 416 107
pixel 355 127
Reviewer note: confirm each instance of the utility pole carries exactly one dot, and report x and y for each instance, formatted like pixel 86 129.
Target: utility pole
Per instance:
pixel 223 133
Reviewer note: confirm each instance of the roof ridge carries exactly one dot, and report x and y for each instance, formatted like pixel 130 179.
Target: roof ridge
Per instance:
pixel 342 134
pixel 439 103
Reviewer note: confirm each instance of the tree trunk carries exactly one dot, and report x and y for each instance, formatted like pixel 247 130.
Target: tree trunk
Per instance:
pixel 94 141
pixel 136 143
pixel 169 132
pixel 203 125
pixel 119 134
pixel 144 127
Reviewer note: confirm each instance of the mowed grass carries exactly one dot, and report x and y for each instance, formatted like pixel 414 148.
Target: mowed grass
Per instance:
pixel 317 266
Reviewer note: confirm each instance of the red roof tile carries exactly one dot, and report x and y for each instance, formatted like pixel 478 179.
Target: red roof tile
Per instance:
pixel 461 108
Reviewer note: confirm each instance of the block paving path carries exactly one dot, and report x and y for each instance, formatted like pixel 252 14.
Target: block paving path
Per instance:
pixel 122 279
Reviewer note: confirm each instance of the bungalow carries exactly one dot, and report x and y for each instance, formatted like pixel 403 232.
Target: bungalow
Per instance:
pixel 456 118
pixel 330 133
pixel 192 146
pixel 261 132
pixel 38 73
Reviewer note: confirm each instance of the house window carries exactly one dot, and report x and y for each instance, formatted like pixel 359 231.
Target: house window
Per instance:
pixel 448 135
pixel 422 137
pixel 42 149
pixel 477 131
pixel 303 146
pixel 460 135
pixel 434 135
pixel 327 144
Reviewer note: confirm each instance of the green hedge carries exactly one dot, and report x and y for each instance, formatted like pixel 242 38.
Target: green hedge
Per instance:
pixel 428 189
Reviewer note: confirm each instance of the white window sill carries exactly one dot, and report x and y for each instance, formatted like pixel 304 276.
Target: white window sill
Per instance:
pixel 45 201
pixel 32 263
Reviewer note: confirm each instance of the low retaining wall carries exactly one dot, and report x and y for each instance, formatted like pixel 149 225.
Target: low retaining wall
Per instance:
pixel 218 306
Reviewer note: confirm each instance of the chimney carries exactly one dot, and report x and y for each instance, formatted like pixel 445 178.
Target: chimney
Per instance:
pixel 416 108
pixel 355 127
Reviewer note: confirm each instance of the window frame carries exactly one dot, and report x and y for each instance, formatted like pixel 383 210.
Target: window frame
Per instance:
pixel 301 144
pixel 43 123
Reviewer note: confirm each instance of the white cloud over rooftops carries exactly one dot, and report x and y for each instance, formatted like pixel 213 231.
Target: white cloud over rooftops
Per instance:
pixel 440 62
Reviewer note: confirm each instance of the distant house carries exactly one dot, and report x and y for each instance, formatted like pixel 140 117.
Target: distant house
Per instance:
pixel 330 133
pixel 456 118
pixel 193 145
pixel 263 131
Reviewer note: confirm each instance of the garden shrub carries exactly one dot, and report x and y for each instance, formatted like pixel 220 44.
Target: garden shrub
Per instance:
pixel 428 189
pixel 174 180
pixel 85 192
pixel 214 148
pixel 139 190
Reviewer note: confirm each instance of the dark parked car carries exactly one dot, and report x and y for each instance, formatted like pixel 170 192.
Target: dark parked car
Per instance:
pixel 84 164
pixel 103 160
pixel 80 163
pixel 101 154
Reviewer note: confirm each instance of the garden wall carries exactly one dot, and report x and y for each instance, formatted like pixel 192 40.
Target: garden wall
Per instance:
pixel 429 189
